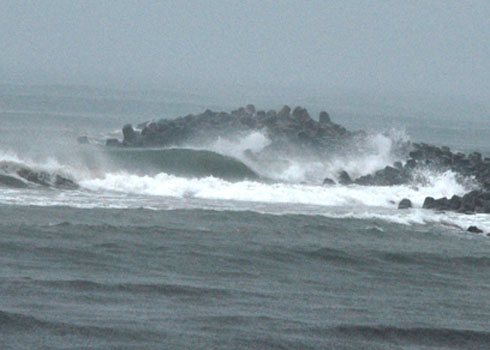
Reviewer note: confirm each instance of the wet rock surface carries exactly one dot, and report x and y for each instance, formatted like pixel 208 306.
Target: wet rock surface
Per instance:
pixel 293 131
pixel 288 129
pixel 477 201
pixel 474 229
pixel 19 176
pixel 438 159
pixel 405 203
pixel 328 181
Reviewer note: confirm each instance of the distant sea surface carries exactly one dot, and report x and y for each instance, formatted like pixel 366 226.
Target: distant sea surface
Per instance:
pixel 201 248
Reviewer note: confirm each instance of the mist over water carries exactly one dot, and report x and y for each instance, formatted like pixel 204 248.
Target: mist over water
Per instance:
pixel 216 170
pixel 223 238
pixel 226 242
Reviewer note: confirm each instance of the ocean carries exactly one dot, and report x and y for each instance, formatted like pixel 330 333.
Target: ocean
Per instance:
pixel 200 247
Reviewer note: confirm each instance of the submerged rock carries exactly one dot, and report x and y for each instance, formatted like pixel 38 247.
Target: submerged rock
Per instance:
pixel 344 178
pixel 292 132
pixel 388 176
pixel 476 201
pixel 428 203
pixel 20 176
pixel 405 203
pixel 324 118
pixel 474 229
pixel 328 181
pixel 130 137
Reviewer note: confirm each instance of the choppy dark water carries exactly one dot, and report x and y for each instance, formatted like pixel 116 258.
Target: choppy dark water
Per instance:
pixel 187 279
pixel 205 249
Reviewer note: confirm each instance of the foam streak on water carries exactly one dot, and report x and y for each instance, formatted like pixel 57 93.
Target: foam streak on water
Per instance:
pixel 254 191
pixel 135 179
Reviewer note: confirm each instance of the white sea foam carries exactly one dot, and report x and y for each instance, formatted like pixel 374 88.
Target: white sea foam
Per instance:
pixel 369 154
pixel 164 191
pixel 11 161
pixel 48 164
pixel 357 202
pixel 252 191
pixel 377 151
pixel 255 141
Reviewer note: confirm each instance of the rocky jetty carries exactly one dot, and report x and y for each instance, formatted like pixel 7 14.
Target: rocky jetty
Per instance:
pixel 438 159
pixel 294 132
pixel 289 130
pixel 424 156
pixel 477 201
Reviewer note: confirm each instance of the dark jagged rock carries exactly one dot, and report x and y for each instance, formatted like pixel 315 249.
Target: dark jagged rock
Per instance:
pixel 45 179
pixel 439 159
pixel 63 182
pixel 405 203
pixel 477 201
pixel 250 109
pixel 455 202
pixel 20 176
pixel 472 202
pixel 328 181
pixel 294 132
pixel 284 112
pixel 324 118
pixel 289 130
pixel 474 229
pixel 440 204
pixel 130 136
pixel 344 178
pixel 429 203
pixel 398 165
pixel 386 177
pixel 410 164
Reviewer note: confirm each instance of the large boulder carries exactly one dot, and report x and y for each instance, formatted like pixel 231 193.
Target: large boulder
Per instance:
pixel 284 113
pixel 476 201
pixel 129 135
pixel 344 178
pixel 405 203
pixel 474 229
pixel 291 132
pixel 429 203
pixel 324 118
pixel 328 181
pixel 301 115
pixel 388 176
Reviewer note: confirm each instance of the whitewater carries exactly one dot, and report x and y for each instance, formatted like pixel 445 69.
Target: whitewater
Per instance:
pixel 287 186
pixel 220 244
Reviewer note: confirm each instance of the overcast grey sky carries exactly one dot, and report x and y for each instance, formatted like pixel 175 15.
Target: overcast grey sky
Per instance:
pixel 437 46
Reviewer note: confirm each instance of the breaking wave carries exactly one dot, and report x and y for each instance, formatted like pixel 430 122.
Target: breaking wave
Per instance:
pixel 181 162
pixel 226 176
pixel 211 187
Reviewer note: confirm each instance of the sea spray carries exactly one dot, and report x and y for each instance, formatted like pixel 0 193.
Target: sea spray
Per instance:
pixel 256 191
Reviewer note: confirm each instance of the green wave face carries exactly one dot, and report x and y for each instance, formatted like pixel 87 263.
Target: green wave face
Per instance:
pixel 181 162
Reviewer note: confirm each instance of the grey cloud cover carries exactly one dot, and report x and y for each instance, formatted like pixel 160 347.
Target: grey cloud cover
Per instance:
pixel 436 46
